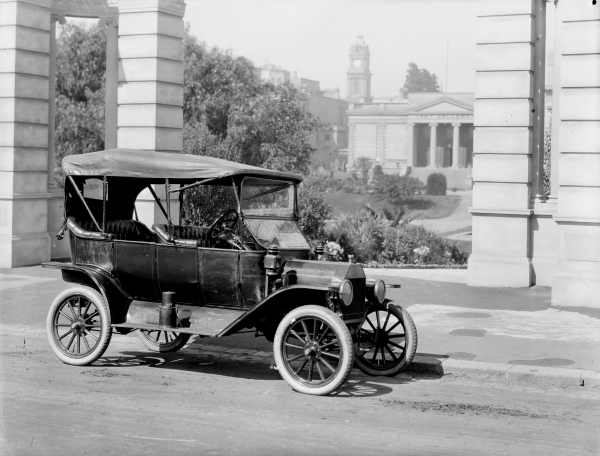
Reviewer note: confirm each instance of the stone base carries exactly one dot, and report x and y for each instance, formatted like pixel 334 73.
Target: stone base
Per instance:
pixel 576 290
pixel 544 269
pixel 499 272
pixel 24 249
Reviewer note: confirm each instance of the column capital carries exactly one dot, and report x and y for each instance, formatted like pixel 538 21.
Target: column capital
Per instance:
pixel 456 124
pixel 433 124
pixel 108 21
pixel 55 17
pixel 173 7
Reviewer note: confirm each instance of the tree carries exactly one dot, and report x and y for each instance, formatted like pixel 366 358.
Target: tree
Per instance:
pixel 80 68
pixel 420 80
pixel 230 113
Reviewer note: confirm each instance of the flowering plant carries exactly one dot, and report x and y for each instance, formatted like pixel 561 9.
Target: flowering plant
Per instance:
pixel 333 251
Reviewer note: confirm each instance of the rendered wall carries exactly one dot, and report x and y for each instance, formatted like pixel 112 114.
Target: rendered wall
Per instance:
pixel 24 66
pixel 502 146
pixel 577 282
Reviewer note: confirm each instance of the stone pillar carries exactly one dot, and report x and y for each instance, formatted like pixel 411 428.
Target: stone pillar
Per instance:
pixel 577 282
pixel 111 78
pixel 56 196
pixel 150 95
pixel 432 144
pixel 24 64
pixel 410 155
pixel 455 144
pixel 502 146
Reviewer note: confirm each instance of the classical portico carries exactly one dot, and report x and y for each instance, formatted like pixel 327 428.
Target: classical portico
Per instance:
pixel 423 133
pixel 143 104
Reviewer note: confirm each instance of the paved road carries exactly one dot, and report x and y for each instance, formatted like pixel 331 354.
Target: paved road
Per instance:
pixel 133 402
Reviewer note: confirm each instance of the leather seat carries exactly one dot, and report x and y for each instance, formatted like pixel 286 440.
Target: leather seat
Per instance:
pixel 126 230
pixel 188 235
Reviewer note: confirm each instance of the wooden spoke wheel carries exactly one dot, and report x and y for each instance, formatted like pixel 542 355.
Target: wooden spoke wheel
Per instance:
pixel 313 350
pixel 162 341
pixel 386 340
pixel 78 326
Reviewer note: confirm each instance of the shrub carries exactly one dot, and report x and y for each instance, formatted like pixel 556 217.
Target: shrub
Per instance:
pixel 436 184
pixel 409 244
pixel 360 234
pixel 313 211
pixel 369 237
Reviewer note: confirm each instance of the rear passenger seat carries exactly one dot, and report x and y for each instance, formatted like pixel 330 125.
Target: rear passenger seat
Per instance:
pixel 126 230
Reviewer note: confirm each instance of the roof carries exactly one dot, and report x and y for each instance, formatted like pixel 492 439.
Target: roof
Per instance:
pixel 161 165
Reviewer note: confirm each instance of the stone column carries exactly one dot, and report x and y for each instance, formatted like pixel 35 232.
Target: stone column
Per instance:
pixel 56 196
pixel 24 49
pixel 577 282
pixel 432 144
pixel 410 155
pixel 111 78
pixel 502 146
pixel 455 144
pixel 150 95
pixel 380 143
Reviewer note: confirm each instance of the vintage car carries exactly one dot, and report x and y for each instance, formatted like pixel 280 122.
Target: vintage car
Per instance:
pixel 226 255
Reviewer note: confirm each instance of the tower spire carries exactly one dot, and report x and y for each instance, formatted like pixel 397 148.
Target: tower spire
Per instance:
pixel 359 73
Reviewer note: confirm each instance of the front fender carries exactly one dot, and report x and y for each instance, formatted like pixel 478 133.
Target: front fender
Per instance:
pixel 267 314
pixel 117 299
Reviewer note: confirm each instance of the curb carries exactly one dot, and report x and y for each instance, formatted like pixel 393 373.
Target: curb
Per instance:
pixel 508 373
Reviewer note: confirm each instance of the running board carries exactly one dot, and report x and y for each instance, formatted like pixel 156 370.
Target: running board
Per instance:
pixel 204 321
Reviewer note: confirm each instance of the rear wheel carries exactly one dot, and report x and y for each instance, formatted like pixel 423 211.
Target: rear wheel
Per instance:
pixel 386 340
pixel 313 350
pixel 162 341
pixel 78 326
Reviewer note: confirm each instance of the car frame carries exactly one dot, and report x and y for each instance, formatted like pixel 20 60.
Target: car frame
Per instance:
pixel 250 269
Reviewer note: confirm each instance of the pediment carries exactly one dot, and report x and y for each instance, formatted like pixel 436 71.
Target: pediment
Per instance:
pixel 444 105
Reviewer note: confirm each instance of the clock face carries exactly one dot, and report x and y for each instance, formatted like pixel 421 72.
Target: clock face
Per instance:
pixel 356 63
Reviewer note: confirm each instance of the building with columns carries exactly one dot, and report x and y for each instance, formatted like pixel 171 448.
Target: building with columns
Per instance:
pixel 420 133
pixel 522 235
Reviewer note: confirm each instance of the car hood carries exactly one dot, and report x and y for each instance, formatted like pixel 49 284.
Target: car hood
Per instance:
pixel 321 273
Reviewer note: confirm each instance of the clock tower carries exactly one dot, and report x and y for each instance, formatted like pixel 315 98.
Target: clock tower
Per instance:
pixel 359 74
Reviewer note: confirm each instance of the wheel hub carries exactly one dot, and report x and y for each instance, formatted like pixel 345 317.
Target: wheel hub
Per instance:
pixel 78 326
pixel 311 348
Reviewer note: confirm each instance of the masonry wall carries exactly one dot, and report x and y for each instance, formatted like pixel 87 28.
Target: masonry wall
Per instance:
pixel 502 152
pixel 577 282
pixel 24 66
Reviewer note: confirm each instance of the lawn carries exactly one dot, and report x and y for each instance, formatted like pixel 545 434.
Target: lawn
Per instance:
pixel 421 206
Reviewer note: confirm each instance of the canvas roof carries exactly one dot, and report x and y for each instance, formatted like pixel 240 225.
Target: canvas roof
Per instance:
pixel 161 165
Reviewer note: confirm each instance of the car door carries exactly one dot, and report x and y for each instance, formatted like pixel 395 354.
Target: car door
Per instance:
pixel 135 268
pixel 219 276
pixel 176 268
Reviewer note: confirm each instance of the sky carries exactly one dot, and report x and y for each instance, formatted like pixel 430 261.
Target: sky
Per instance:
pixel 312 37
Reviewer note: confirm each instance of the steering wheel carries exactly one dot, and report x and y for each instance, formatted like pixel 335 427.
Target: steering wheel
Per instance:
pixel 221 230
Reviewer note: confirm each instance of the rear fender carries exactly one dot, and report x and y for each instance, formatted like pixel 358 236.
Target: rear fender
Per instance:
pixel 117 299
pixel 267 314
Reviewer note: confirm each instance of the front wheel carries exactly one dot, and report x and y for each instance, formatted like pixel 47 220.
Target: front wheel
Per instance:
pixel 313 350
pixel 386 340
pixel 162 341
pixel 78 326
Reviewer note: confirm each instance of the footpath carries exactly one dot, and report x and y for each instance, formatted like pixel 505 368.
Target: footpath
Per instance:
pixel 511 335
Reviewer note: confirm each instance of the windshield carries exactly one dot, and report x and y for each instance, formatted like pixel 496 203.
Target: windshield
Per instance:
pixel 267 197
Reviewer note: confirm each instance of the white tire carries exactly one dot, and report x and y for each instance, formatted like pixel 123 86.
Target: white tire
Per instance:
pixel 78 326
pixel 386 341
pixel 162 341
pixel 313 350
